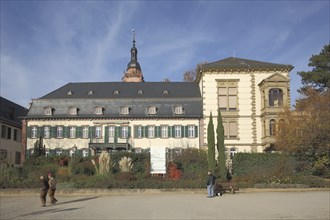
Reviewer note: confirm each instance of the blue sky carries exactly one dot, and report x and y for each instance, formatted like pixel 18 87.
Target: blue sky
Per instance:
pixel 47 44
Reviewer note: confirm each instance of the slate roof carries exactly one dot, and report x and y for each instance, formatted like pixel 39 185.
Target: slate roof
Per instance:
pixel 165 96
pixel 239 63
pixel 11 113
pixel 126 90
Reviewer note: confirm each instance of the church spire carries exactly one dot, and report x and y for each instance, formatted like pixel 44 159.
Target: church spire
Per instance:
pixel 133 49
pixel 133 72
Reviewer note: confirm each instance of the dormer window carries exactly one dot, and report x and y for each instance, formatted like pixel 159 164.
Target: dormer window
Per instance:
pixel 48 111
pixel 140 92
pixel 178 110
pixel 124 110
pixel 152 110
pixel 116 92
pixel 69 93
pixel 73 111
pixel 98 111
pixel 90 92
pixel 165 92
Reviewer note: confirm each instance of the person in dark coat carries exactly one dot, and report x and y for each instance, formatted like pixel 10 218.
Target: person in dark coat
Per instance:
pixel 210 185
pixel 44 186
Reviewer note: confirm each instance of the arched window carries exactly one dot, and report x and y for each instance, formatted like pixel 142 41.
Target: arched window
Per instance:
pixel 272 127
pixel 275 97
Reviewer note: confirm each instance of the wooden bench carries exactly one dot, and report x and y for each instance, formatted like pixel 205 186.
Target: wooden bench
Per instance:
pixel 221 188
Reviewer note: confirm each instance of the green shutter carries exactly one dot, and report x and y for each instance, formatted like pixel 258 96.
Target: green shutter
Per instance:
pixel 157 132
pixel 182 132
pixel 169 131
pixel 39 131
pixel 135 131
pixel 65 152
pixel 196 131
pixel 106 134
pixel 66 132
pixel 79 132
pixel 147 133
pixel 91 131
pixel 173 131
pixel 186 128
pixel 120 132
pixel 129 131
pixel 28 132
pixel 117 134
pixel 78 153
pixel 52 132
pixel 144 131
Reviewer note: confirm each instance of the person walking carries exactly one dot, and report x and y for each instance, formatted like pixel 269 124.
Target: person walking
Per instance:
pixel 210 185
pixel 52 188
pixel 43 190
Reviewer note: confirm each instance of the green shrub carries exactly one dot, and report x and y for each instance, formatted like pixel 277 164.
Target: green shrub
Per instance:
pixel 80 165
pixel 263 164
pixel 192 163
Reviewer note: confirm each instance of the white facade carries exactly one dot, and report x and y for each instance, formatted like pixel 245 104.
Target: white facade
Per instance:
pixel 249 111
pixel 187 137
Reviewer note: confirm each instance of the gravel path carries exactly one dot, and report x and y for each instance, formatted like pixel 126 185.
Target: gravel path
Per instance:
pixel 253 205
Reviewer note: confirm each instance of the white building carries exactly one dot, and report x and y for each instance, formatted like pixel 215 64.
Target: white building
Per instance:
pixel 134 114
pixel 249 95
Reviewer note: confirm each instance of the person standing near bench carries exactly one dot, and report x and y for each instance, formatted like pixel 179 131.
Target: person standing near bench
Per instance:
pixel 210 185
pixel 52 188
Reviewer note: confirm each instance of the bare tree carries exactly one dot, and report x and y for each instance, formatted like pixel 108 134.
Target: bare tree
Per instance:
pixel 190 75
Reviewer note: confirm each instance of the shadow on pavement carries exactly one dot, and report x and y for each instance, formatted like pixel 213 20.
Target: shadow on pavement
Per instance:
pixel 47 211
pixel 53 210
pixel 78 200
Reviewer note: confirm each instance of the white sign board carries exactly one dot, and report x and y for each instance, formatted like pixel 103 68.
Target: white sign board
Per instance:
pixel 158 160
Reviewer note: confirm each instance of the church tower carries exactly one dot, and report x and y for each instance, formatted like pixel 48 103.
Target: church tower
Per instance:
pixel 133 72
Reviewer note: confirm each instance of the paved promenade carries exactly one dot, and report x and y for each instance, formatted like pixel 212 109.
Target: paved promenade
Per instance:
pixel 172 205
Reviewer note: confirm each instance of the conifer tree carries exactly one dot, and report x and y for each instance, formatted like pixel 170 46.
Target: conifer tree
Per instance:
pixel 221 148
pixel 211 145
